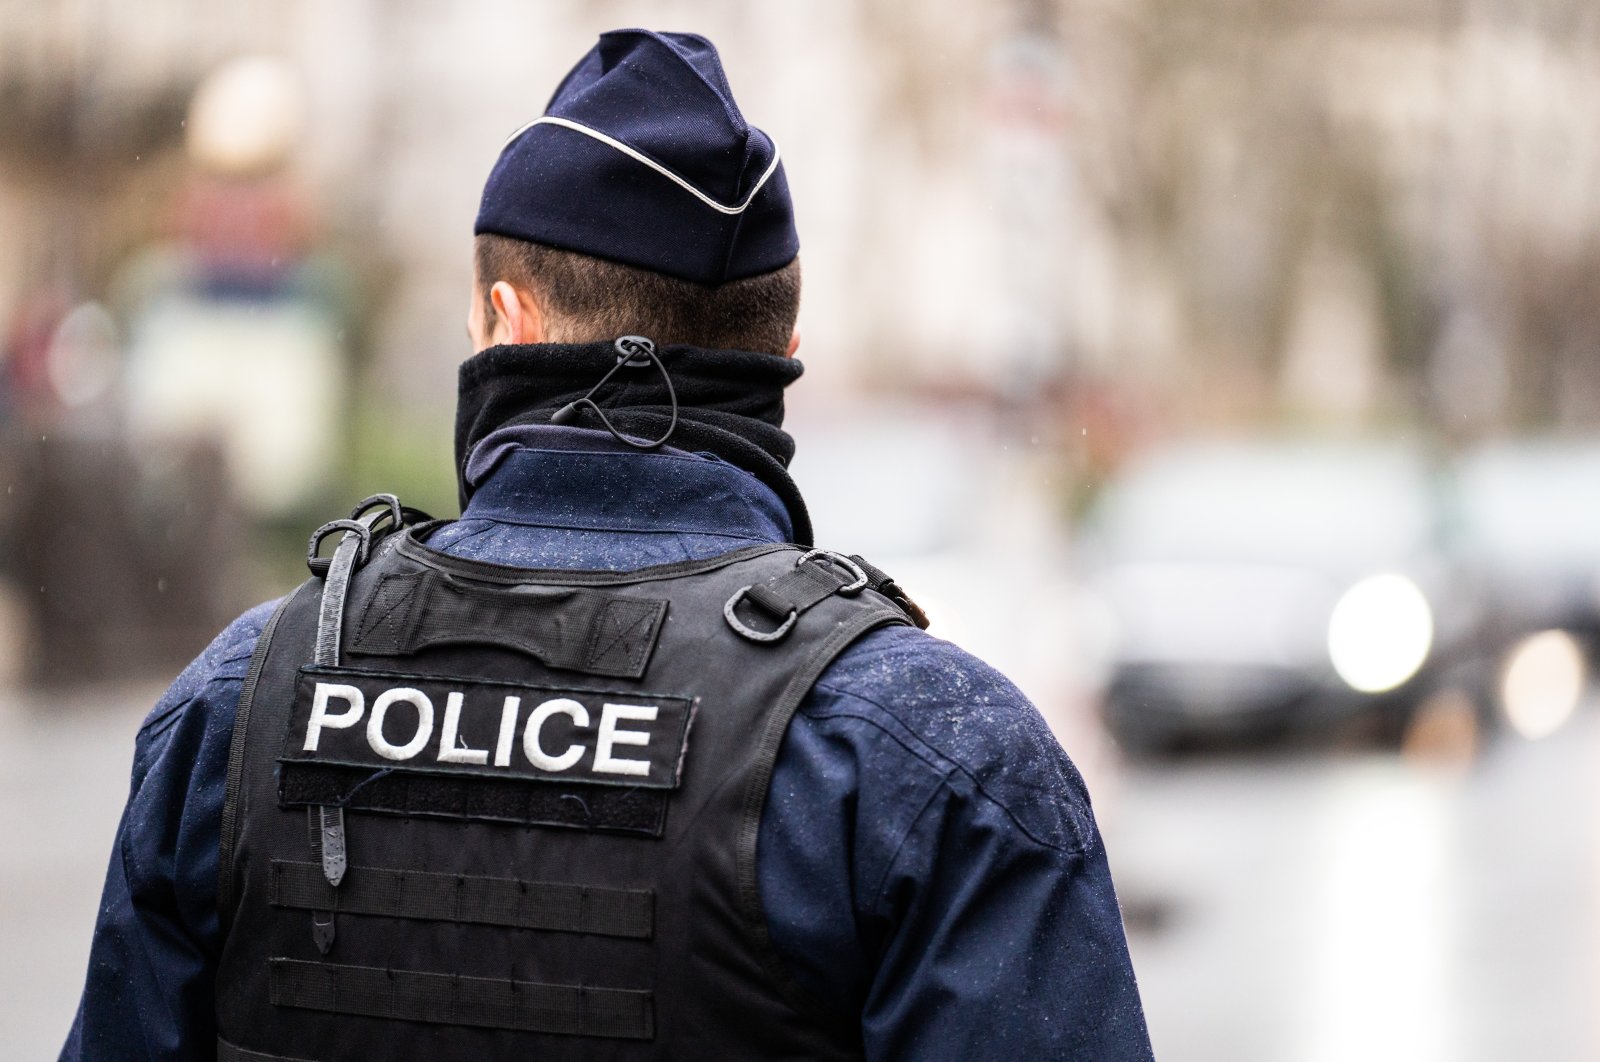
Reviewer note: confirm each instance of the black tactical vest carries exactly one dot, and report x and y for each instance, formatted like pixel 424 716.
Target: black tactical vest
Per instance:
pixel 478 812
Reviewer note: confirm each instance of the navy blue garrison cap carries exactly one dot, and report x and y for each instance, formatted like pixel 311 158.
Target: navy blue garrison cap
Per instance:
pixel 642 157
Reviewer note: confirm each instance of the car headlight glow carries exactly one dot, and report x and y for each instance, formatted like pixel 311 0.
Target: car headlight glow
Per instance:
pixel 1380 633
pixel 1542 683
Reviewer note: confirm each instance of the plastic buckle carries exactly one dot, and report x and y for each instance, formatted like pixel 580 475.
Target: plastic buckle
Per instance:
pixel 319 565
pixel 633 352
pixel 751 633
pixel 850 589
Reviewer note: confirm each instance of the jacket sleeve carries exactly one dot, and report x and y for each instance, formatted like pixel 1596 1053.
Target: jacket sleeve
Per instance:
pixel 998 944
pixel 148 992
pixel 920 789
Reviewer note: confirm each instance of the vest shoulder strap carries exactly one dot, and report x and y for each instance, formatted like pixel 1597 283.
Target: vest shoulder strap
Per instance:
pixel 236 752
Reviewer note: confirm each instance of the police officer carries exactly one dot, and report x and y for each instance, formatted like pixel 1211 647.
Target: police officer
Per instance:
pixel 615 766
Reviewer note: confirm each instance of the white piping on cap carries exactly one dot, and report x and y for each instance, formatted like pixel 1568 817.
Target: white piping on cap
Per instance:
pixel 567 123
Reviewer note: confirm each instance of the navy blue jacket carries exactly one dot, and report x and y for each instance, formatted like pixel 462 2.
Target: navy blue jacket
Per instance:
pixel 928 859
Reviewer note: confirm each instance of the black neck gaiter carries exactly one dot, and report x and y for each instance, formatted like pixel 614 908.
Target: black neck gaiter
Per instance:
pixel 730 403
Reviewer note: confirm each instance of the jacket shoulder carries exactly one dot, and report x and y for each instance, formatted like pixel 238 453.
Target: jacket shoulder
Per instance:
pixel 226 659
pixel 962 717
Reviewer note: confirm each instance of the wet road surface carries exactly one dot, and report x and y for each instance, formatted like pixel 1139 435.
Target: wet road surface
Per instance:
pixel 1286 907
pixel 1299 908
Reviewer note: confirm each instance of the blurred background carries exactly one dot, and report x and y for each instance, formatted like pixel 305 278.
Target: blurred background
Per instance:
pixel 1223 370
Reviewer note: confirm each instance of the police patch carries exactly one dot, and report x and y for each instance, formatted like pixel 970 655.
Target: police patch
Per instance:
pixel 450 726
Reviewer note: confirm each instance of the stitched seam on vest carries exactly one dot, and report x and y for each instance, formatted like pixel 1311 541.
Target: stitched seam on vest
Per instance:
pixel 372 619
pixel 558 907
pixel 642 611
pixel 447 999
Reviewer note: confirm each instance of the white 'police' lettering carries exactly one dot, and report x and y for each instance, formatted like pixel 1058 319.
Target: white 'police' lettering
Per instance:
pixel 609 735
pixel 536 719
pixel 508 730
pixel 380 709
pixel 477 727
pixel 320 718
pixel 448 751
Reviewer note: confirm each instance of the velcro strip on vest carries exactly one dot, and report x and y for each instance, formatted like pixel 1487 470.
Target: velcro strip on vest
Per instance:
pixel 465 898
pixel 446 999
pixel 573 630
pixel 579 807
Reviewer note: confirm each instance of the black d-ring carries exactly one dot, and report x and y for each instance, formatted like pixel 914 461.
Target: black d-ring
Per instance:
pixel 750 632
pixel 319 565
pixel 396 511
pixel 850 588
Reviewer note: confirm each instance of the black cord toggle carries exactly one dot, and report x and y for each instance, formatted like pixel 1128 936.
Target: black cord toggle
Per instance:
pixel 630 351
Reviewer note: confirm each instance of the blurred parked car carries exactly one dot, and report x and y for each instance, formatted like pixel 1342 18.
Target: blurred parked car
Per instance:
pixel 1529 519
pixel 1248 588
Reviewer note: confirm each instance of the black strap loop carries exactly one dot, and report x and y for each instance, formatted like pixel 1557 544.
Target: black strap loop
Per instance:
pixel 319 565
pixel 366 523
pixel 730 613
pixel 392 509
pixel 817 575
pixel 850 589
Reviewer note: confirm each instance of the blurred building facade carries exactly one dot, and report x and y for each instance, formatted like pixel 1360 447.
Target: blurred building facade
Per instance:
pixel 1116 219
pixel 1254 205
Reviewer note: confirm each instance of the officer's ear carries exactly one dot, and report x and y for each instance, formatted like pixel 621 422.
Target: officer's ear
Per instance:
pixel 794 344
pixel 517 317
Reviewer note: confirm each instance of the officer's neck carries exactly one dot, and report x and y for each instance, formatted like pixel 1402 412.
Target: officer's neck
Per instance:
pixel 730 404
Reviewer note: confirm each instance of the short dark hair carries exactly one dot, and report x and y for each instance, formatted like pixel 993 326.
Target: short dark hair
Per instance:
pixel 586 299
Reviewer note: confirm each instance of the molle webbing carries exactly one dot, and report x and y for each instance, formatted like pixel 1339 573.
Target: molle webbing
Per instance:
pixel 449 999
pixel 465 898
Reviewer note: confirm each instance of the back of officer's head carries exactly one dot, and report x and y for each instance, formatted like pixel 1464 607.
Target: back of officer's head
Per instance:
pixel 640 202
